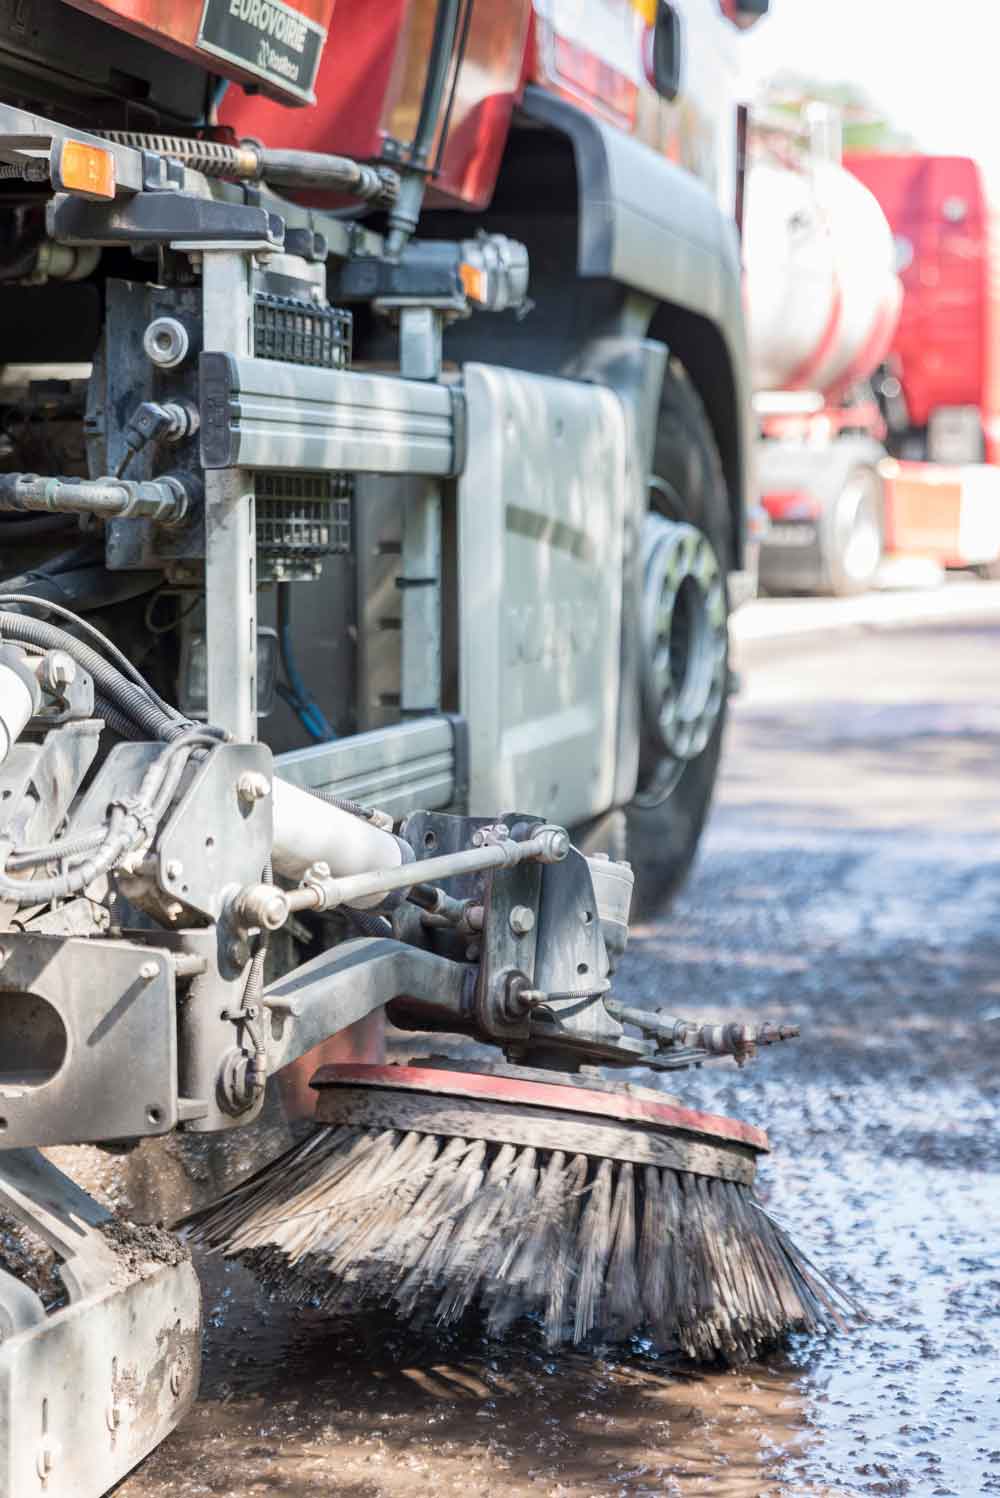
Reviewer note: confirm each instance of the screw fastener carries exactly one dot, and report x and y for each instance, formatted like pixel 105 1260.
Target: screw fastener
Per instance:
pixel 253 786
pixel 59 670
pixel 522 920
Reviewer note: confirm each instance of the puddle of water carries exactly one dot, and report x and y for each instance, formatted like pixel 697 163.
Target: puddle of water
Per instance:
pixel 300 1400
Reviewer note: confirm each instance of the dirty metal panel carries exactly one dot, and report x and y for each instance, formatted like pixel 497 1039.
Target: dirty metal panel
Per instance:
pixel 215 838
pixel 88 1045
pixel 397 768
pixel 541 521
pixel 90 1391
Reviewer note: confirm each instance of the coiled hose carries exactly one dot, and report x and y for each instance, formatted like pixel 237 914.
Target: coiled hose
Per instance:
pixel 135 704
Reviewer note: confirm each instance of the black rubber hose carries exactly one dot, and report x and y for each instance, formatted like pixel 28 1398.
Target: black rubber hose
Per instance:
pixel 38 527
pixel 315 169
pixel 84 588
pixel 368 924
pixel 109 683
pixel 442 43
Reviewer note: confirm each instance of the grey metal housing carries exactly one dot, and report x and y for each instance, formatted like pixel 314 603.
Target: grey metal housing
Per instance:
pixel 652 227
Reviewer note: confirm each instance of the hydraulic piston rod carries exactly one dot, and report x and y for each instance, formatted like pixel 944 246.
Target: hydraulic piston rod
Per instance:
pixel 264 905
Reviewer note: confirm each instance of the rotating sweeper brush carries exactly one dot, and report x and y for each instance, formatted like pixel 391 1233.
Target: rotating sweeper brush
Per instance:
pixel 598 1209
pixel 535 1188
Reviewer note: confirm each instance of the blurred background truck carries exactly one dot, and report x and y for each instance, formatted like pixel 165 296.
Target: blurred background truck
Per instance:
pixel 872 289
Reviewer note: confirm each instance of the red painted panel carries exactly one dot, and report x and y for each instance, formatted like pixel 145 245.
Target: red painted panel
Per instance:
pixel 793 504
pixel 360 1042
pixel 174 25
pixel 370 82
pixel 939 214
pixel 500 1089
pixel 351 89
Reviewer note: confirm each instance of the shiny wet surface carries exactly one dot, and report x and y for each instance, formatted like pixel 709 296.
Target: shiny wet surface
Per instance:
pixel 851 883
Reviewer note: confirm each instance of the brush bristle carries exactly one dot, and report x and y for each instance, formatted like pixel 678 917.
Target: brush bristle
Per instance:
pixel 429 1228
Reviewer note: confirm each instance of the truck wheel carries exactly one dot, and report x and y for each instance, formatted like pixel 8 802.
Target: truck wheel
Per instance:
pixel 854 534
pixel 685 667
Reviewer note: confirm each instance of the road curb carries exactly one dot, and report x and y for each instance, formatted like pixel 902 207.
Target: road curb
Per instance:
pixel 768 620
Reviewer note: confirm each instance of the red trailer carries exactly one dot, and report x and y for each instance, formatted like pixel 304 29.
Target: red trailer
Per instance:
pixel 942 383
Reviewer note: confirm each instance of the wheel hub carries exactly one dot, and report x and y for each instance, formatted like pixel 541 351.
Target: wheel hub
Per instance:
pixel 683 638
pixel 859 539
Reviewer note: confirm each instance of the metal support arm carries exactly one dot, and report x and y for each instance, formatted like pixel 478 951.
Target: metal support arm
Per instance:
pixel 340 987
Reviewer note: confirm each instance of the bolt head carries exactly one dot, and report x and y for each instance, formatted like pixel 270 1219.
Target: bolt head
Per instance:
pixel 274 912
pixel 174 869
pixel 522 920
pixel 166 342
pixel 557 843
pixel 149 970
pixel 60 670
pixel 253 786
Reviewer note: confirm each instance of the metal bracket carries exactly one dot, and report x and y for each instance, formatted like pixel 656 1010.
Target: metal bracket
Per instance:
pixel 54 773
pixel 507 951
pixel 33 141
pixel 217 835
pixel 167 218
pixel 74 1014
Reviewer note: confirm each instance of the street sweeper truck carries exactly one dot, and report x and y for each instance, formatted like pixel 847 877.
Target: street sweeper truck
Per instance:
pixel 373 497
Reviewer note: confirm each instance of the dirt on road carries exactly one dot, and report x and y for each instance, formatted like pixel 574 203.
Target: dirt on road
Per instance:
pixel 850 882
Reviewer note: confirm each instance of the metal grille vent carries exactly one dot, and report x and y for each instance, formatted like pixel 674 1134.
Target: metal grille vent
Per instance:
pixel 301 332
pixel 301 518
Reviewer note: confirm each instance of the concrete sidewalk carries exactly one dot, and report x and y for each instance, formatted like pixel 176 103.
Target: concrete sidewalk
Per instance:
pixel 786 618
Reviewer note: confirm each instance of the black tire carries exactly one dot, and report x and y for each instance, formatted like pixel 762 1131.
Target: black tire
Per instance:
pixel 853 534
pixel 688 487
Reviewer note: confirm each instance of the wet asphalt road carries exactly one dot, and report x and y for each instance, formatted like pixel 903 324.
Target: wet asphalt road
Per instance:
pixel 850 882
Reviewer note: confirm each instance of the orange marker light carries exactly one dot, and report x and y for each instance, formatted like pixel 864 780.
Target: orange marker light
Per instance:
pixel 473 282
pixel 86 169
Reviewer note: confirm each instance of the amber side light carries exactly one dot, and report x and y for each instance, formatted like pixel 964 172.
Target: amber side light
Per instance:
pixel 86 169
pixel 473 282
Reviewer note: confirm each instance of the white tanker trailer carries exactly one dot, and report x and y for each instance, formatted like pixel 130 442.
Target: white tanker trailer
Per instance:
pixel 823 299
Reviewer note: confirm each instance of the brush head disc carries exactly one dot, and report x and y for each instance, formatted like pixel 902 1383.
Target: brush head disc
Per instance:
pixel 595 1209
pixel 544 1111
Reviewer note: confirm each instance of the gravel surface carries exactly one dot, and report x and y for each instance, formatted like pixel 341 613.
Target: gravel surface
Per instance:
pixel 850 882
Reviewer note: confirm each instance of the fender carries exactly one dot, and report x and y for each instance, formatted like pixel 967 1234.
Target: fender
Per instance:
pixel 653 227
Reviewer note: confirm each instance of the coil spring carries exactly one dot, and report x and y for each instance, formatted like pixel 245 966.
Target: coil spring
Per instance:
pixel 24 171
pixel 212 158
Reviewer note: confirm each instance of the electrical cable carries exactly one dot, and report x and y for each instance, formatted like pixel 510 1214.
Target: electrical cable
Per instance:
pixel 296 693
pixel 129 825
pixel 62 848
